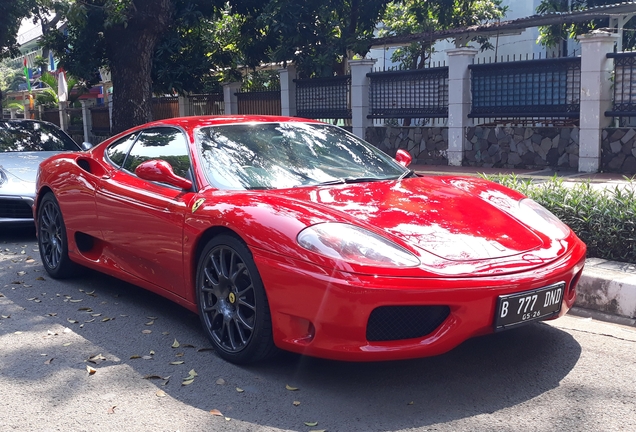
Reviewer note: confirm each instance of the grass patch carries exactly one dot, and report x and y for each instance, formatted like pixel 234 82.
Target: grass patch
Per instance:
pixel 604 218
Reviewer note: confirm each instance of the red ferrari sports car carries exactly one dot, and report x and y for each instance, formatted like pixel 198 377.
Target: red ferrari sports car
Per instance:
pixel 286 233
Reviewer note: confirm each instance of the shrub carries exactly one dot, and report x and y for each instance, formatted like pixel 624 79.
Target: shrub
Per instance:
pixel 603 217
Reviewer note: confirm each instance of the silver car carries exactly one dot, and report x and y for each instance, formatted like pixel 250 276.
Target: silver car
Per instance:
pixel 23 145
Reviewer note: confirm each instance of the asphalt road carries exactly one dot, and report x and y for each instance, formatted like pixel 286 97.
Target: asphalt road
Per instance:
pixel 572 374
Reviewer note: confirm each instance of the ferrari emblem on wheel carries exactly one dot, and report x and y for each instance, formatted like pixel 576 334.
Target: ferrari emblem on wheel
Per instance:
pixel 232 298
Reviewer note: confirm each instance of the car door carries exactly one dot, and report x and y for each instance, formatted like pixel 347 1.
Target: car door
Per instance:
pixel 142 221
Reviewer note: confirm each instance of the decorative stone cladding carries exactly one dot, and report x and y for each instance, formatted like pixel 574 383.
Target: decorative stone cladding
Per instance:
pixel 427 145
pixel 618 151
pixel 522 147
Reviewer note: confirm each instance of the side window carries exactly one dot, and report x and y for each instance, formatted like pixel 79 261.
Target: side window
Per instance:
pixel 160 143
pixel 117 151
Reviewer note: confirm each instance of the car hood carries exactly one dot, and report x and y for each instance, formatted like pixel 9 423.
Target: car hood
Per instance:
pixel 442 216
pixel 23 166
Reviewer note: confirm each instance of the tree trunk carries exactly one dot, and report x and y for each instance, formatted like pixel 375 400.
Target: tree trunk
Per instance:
pixel 130 50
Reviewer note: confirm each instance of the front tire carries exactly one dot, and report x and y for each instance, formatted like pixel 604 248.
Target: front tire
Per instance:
pixel 232 302
pixel 52 240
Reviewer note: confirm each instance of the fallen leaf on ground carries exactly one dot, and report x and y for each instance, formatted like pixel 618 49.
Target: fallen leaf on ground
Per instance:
pixel 30 260
pixel 310 424
pixel 177 362
pixel 85 309
pixel 205 349
pixel 107 319
pixel 188 346
pixel 160 393
pixel 150 323
pixel 410 403
pixel 51 314
pixel 175 344
pixel 135 356
pixel 92 293
pixel 146 331
pixel 5 316
pixel 21 273
pixel 67 344
pixel 165 333
pixel 290 388
pixel 97 358
pixel 240 390
pixel 40 278
pixel 147 357
pixel 296 403
pixel 220 381
pixel 179 354
pixel 90 370
pixel 156 377
pixel 96 314
pixel 216 412
pixel 18 332
pixel 90 320
pixel 111 410
pixel 151 318
pixel 75 300
pixel 72 321
pixel 49 361
pixel 187 382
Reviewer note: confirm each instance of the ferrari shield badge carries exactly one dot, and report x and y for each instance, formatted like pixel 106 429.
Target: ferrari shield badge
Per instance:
pixel 197 204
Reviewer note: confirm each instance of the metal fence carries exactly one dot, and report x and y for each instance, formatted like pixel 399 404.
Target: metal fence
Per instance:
pixel 410 94
pixel 165 107
pixel 324 98
pixel 206 104
pixel 100 118
pixel 259 102
pixel 540 89
pixel 624 105
pixel 51 116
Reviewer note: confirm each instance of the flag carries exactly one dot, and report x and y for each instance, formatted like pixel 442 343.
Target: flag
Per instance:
pixel 27 74
pixel 62 88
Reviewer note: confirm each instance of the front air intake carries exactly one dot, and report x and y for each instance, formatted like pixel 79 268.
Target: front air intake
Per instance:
pixel 389 323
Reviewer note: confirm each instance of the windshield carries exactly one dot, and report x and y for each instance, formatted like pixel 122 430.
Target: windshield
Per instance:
pixel 285 155
pixel 33 136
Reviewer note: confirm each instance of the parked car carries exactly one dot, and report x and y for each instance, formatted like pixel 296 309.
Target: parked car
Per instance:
pixel 285 233
pixel 23 145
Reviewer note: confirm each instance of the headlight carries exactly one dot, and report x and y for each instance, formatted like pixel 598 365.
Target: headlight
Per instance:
pixel 538 217
pixel 355 245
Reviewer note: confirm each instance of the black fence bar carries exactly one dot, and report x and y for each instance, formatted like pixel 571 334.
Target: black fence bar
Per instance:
pixel 324 98
pixel 421 93
pixel 165 107
pixel 533 88
pixel 624 105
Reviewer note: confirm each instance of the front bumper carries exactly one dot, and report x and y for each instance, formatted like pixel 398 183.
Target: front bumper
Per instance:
pixel 326 313
pixel 16 209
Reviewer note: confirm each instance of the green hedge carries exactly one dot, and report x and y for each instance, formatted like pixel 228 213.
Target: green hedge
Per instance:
pixel 603 217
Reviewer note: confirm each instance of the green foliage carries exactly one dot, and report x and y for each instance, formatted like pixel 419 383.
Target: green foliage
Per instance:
pixel 403 17
pixel 604 218
pixel 553 36
pixel 11 14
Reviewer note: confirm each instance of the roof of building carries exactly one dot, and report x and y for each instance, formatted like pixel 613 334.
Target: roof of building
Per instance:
pixel 512 26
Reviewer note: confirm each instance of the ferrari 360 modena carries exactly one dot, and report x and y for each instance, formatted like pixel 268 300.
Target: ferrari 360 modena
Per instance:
pixel 291 234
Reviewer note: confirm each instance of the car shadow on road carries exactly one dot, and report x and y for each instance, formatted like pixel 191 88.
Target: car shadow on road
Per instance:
pixel 482 376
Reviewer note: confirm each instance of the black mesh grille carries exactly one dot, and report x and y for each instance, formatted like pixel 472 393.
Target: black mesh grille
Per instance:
pixel 404 322
pixel 17 209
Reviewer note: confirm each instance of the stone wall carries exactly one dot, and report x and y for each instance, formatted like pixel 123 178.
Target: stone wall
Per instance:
pixel 618 150
pixel 427 145
pixel 522 147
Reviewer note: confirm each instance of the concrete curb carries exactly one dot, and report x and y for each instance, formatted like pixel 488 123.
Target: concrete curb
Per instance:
pixel 608 287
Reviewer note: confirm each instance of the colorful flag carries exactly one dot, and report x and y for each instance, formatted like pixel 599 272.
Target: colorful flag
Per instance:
pixel 27 74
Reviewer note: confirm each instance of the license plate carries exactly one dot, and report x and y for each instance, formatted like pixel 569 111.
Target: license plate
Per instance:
pixel 515 309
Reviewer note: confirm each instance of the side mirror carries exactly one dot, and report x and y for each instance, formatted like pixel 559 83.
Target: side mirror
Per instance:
pixel 403 157
pixel 86 146
pixel 161 171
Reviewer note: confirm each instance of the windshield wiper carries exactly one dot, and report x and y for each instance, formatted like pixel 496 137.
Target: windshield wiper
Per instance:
pixel 405 174
pixel 349 180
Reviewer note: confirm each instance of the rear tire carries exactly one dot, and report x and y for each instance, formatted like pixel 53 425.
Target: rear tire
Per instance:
pixel 232 302
pixel 52 239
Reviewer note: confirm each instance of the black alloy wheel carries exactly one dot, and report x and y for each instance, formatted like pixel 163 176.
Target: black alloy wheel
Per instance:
pixel 52 240
pixel 232 303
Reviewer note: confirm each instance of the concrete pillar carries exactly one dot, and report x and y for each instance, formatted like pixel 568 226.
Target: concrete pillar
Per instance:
pixel 596 96
pixel 63 116
pixel 459 101
pixel 229 97
pixel 110 112
pixel 360 95
pixel 184 106
pixel 14 112
pixel 41 111
pixel 87 120
pixel 27 107
pixel 288 90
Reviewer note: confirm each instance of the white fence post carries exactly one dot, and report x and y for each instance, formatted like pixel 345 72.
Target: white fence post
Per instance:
pixel 459 101
pixel 63 116
pixel 288 90
pixel 229 97
pixel 596 96
pixel 360 95
pixel 87 120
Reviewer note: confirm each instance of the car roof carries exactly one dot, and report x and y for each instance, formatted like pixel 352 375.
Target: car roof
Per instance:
pixel 202 121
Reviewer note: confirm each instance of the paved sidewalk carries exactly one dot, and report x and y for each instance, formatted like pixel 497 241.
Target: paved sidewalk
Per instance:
pixel 607 289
